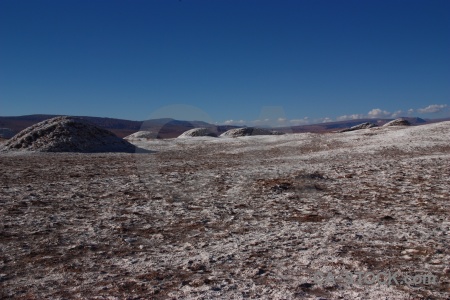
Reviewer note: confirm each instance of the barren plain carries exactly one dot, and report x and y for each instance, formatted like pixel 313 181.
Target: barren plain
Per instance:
pixel 231 218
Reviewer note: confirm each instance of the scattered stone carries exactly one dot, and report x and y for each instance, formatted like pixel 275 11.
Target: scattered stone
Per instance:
pixel 248 131
pixel 66 134
pixel 198 132
pixel 359 127
pixel 387 218
pixel 398 122
pixel 283 186
pixel 306 285
pixel 410 251
pixel 435 262
pixel 312 218
pixel 314 175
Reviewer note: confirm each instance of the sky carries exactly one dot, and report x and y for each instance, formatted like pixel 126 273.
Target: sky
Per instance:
pixel 226 61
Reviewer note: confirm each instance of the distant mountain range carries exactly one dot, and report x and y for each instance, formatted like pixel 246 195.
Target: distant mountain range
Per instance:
pixel 166 127
pixel 170 128
pixel 338 125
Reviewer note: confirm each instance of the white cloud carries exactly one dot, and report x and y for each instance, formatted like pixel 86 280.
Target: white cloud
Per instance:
pixel 378 113
pixel 258 122
pixel 397 114
pixel 326 120
pixel 430 109
pixel 234 122
pixel 269 122
pixel 322 120
pixel 303 121
pixel 373 114
pixel 350 117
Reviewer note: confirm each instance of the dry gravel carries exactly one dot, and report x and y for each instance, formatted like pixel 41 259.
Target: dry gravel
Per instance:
pixel 250 217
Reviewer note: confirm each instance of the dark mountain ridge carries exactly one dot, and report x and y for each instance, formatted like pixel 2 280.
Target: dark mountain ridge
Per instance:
pixel 167 127
pixel 171 128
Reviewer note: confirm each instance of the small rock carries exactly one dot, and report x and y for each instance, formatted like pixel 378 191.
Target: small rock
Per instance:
pixel 387 218
pixel 306 285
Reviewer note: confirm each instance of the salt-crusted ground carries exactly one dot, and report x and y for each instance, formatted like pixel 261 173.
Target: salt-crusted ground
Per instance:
pixel 230 218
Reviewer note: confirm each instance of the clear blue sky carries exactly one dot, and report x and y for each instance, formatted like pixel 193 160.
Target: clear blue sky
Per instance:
pixel 230 59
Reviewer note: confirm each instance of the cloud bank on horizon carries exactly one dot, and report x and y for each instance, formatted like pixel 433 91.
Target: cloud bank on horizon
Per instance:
pixel 375 113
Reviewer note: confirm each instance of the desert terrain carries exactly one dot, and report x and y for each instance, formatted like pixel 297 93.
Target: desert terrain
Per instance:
pixel 230 218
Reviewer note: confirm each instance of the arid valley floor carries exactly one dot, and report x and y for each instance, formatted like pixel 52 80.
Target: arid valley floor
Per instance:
pixel 231 218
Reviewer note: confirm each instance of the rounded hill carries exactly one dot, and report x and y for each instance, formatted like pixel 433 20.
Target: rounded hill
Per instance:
pixel 66 134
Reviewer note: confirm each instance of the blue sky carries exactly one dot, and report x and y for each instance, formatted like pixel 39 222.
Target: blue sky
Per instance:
pixel 226 61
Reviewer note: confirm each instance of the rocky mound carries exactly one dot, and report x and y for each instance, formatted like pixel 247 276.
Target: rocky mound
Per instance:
pixel 66 134
pixel 198 132
pixel 398 122
pixel 359 127
pixel 142 135
pixel 247 131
